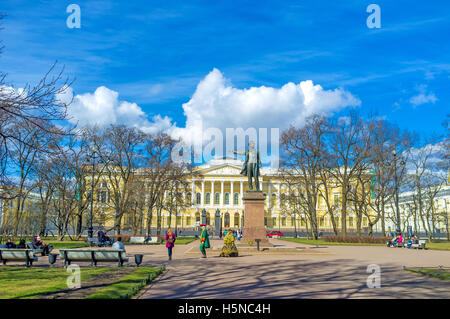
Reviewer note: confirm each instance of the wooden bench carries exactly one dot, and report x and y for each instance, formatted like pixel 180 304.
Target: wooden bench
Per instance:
pixel 94 256
pixel 420 245
pixel 39 249
pixel 17 254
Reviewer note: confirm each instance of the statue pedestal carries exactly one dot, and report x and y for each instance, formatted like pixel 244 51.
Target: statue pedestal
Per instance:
pixel 254 218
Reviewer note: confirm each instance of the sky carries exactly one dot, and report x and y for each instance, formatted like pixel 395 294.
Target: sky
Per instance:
pixel 184 66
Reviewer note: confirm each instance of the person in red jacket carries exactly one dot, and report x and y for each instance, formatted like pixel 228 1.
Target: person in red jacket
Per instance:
pixel 170 242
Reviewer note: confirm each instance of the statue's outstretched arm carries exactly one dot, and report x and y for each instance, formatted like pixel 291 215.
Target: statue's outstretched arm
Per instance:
pixel 238 153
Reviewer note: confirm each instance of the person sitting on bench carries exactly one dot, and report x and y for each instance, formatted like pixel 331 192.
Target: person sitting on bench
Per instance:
pixel 102 238
pixel 37 242
pixel 22 244
pixel 10 244
pixel 118 244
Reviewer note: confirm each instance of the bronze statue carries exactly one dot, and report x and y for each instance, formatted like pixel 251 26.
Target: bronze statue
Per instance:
pixel 251 165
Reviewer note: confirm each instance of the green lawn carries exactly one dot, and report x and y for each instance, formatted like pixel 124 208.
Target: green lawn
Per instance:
pixel 123 285
pixel 323 242
pixel 445 245
pixel 27 283
pixel 443 274
pixel 67 244
pixel 439 245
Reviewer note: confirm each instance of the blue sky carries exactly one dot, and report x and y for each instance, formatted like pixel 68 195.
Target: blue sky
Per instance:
pixel 155 53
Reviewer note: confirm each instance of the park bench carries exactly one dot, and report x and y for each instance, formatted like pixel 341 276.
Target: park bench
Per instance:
pixel 94 242
pixel 17 254
pixel 94 256
pixel 144 240
pixel 420 245
pixel 39 249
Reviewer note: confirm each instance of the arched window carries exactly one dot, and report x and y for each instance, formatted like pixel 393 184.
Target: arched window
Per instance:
pixel 227 198
pixel 227 220
pixel 208 198
pixel 199 198
pixel 274 199
pixel 217 199
pixel 236 199
pixel 189 198
pixel 236 220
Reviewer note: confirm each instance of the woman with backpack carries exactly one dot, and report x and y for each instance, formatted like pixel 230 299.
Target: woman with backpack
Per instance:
pixel 170 242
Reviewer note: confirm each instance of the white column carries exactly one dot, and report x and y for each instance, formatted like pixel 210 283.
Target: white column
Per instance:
pixel 269 193
pixel 193 193
pixel 232 193
pixel 221 193
pixel 242 194
pixel 279 196
pixel 203 193
pixel 213 195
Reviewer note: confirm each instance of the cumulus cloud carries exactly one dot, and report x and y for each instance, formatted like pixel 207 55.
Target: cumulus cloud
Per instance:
pixel 423 97
pixel 103 107
pixel 216 103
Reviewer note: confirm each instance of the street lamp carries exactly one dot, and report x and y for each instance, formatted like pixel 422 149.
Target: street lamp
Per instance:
pixel 394 152
pixel 91 229
pixel 295 224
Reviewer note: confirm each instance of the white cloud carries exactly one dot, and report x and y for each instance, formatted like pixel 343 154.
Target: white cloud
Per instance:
pixel 216 103
pixel 103 107
pixel 423 97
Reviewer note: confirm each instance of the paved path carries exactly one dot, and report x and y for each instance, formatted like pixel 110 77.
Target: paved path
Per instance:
pixel 337 272
pixel 341 273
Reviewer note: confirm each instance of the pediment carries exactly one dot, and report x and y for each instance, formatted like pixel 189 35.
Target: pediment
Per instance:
pixel 226 169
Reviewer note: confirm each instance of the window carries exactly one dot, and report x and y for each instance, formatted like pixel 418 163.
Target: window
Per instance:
pixel 365 221
pixel 236 220
pixel 350 221
pixel 227 199
pixel 188 220
pixel 208 219
pixel 283 221
pixel 292 221
pixel 217 199
pixel 336 199
pixel 274 200
pixel 322 221
pixel 274 221
pixel 189 198
pixel 336 220
pixel 197 217
pixel 208 198
pixel 236 199
pixel 199 198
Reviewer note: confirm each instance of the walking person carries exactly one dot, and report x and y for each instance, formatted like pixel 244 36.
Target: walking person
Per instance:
pixel 170 242
pixel 204 240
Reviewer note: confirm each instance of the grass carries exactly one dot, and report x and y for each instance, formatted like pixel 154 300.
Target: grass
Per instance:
pixel 67 244
pixel 439 245
pixel 323 242
pixel 25 283
pixel 123 285
pixel 441 273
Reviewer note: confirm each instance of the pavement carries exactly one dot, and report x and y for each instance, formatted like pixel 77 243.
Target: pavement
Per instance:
pixel 304 272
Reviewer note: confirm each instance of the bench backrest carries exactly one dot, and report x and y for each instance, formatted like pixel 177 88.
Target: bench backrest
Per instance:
pixel 86 255
pixel 137 239
pixel 15 254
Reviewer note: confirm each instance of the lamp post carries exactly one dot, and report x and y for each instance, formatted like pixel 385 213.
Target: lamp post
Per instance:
pixel 295 224
pixel 91 229
pixel 394 152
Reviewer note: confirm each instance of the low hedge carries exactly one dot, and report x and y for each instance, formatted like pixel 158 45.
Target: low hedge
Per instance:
pixel 355 239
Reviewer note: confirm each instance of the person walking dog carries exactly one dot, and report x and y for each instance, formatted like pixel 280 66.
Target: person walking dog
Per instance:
pixel 204 240
pixel 170 242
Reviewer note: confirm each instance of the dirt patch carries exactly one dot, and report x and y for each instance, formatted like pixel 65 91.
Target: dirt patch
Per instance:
pixel 91 285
